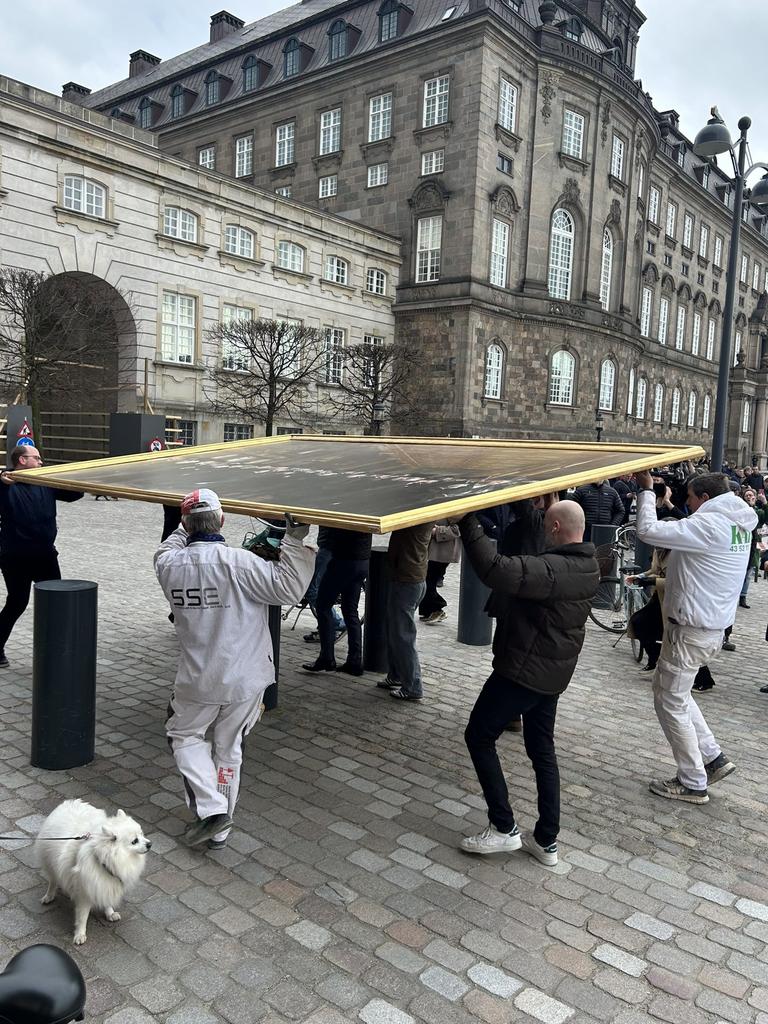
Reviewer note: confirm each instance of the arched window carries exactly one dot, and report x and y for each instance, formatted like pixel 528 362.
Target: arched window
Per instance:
pixel 573 29
pixel 676 396
pixel 239 241
pixel 494 365
pixel 561 378
pixel 212 88
pixel 561 255
pixel 84 196
pixel 336 270
pixel 291 58
pixel 389 20
pixel 180 223
pixel 606 269
pixel 705 411
pixel 692 409
pixel 618 48
pixel 145 113
pixel 250 74
pixel 177 101
pixel 337 40
pixel 641 180
pixel 290 257
pixel 607 385
pixel 642 397
pixel 631 392
pixel 658 403
pixel 745 417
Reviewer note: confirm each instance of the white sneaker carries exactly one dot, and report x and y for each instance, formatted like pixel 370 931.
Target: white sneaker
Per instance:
pixel 490 840
pixel 543 854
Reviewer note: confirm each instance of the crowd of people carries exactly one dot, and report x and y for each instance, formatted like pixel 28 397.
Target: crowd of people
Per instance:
pixel 538 561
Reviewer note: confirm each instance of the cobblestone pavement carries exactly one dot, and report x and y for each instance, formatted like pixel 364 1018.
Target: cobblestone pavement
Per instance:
pixel 342 896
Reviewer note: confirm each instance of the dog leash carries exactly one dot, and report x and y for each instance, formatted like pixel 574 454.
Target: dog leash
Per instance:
pixel 45 839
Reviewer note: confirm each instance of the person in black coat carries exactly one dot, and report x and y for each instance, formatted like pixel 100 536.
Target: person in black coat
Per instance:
pixel 602 506
pixel 541 603
pixel 27 534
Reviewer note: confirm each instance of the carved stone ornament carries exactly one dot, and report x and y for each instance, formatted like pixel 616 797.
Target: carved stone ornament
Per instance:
pixel 548 90
pixel 571 192
pixel 740 357
pixel 605 120
pixel 615 215
pixel 429 197
pixel 504 201
pixel 639 140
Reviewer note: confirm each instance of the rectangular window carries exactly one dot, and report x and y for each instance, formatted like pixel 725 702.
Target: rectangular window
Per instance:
pixel 206 158
pixel 428 242
pixel 667 259
pixel 179 223
pixel 756 276
pixel 234 356
pixel 687 230
pixel 378 174
pixel 705 412
pixel 650 248
pixel 330 131
pixel 671 219
pixel 499 253
pixel 680 330
pixel 244 156
pixel 573 133
pixel 696 340
pixel 736 347
pixel 433 162
pixel 711 340
pixel 238 431
pixel 685 269
pixel 617 158
pixel 654 201
pixel 704 241
pixel 507 105
pixel 328 186
pixel 180 432
pixel 388 25
pixel 376 281
pixel 178 327
pixel 380 117
pixel 285 191
pixel 646 307
pixel 663 320
pixel 436 101
pixel 718 257
pixel 370 373
pixel 640 180
pixel 334 355
pixel 285 137
pixel 503 164
pixel 744 269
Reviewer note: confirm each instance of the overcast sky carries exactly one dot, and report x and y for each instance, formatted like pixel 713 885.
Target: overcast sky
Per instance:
pixel 47 43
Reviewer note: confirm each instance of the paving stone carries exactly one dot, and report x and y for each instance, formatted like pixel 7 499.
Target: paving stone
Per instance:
pixel 724 1007
pixel 650 925
pixel 629 990
pixel 675 1011
pixel 446 984
pixel 620 959
pixel 401 957
pixel 543 1007
pixel 343 991
pixel 576 937
pixel 310 935
pixel 724 981
pixel 712 893
pixel 753 909
pixel 494 980
pixel 570 960
pixel 158 994
pixel 130 1015
pixel 379 1012
pixel 672 983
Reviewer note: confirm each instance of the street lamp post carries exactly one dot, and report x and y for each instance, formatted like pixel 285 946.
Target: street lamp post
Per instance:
pixel 714 139
pixel 598 423
pixel 379 415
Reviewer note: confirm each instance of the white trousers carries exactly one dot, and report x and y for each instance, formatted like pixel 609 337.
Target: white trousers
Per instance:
pixel 684 650
pixel 210 768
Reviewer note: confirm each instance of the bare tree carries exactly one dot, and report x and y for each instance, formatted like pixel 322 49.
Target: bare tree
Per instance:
pixel 59 337
pixel 266 369
pixel 377 376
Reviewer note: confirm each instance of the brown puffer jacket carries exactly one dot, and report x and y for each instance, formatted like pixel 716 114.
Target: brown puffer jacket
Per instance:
pixel 541 603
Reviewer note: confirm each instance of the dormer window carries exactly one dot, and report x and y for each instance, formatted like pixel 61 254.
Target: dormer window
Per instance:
pixel 291 58
pixel 337 40
pixel 212 88
pixel 680 155
pixel 391 20
pixel 146 113
pixel 572 30
pixel 705 176
pixel 250 74
pixel 177 101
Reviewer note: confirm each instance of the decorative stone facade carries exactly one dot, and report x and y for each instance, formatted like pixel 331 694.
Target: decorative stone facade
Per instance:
pixel 549 144
pixel 125 248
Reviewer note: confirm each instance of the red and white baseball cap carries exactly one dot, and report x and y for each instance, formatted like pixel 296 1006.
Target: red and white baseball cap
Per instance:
pixel 202 500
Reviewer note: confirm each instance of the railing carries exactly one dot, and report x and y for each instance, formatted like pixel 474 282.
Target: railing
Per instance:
pixel 74 436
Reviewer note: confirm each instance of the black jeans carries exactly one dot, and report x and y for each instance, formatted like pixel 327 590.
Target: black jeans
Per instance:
pixel 343 578
pixel 432 601
pixel 19 573
pixel 500 701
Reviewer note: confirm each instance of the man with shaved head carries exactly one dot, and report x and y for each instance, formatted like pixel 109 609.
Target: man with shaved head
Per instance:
pixel 541 603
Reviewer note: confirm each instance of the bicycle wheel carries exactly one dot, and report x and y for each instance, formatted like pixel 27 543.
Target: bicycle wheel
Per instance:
pixel 633 605
pixel 608 609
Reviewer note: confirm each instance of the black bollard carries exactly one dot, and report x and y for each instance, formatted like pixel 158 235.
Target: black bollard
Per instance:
pixel 275 621
pixel 475 626
pixel 64 674
pixel 375 628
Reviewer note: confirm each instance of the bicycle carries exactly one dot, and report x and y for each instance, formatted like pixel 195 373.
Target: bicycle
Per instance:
pixel 616 600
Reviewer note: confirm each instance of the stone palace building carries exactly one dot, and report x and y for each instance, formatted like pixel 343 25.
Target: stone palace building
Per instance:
pixel 564 249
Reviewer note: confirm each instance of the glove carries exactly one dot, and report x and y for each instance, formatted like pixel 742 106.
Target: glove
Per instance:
pixel 298 531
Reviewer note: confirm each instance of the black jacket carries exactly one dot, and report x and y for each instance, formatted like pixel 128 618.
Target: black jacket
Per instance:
pixel 348 545
pixel 626 492
pixel 28 518
pixel 602 506
pixel 541 603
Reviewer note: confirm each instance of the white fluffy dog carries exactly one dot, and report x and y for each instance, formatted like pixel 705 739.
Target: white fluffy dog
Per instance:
pixel 95 871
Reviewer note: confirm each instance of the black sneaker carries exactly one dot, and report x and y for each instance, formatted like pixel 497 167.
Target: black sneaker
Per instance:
pixel 4 663
pixel 402 694
pixel 217 844
pixel 320 666
pixel 388 683
pixel 673 789
pixel 728 646
pixel 719 769
pixel 203 829
pixel 703 687
pixel 351 668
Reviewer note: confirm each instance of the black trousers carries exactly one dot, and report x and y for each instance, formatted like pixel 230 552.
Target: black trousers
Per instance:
pixel 432 601
pixel 500 701
pixel 345 578
pixel 19 573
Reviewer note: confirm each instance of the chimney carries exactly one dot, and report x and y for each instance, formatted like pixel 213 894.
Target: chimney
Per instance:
pixel 140 62
pixel 222 24
pixel 74 93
